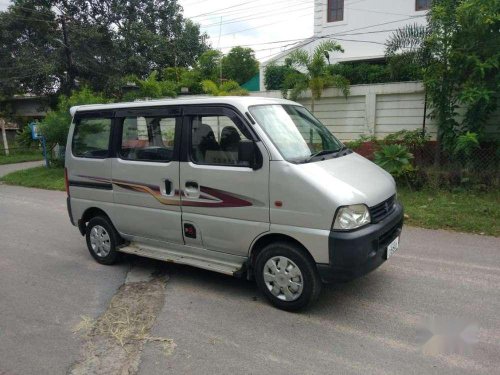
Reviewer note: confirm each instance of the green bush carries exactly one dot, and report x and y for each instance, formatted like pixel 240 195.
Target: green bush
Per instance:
pixel 151 87
pixel 274 76
pixel 24 138
pixel 227 88
pixel 401 69
pixel 395 159
pixel 357 143
pixel 361 73
pixel 412 139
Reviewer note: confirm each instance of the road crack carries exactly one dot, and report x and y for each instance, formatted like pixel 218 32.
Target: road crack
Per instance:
pixel 115 340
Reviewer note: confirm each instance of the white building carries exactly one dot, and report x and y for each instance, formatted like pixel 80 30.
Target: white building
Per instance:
pixel 360 26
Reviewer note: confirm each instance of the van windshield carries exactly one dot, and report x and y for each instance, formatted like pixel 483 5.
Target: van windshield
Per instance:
pixel 297 134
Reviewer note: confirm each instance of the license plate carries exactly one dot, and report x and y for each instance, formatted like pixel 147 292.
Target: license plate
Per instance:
pixel 393 246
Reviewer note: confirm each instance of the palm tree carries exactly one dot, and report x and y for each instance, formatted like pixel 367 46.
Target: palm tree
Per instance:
pixel 227 88
pixel 408 45
pixel 409 41
pixel 312 72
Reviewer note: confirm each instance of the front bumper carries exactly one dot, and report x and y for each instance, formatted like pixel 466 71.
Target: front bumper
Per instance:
pixel 353 254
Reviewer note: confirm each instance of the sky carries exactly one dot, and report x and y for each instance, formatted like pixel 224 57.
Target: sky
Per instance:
pixel 256 24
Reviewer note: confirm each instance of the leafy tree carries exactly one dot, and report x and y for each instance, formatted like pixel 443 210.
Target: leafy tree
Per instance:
pixel 56 124
pixel 34 62
pixel 460 59
pixel 208 64
pixel 275 75
pixel 316 76
pixel 240 64
pixel 191 79
pixel 151 87
pixel 184 78
pixel 465 146
pixel 227 88
pixel 55 45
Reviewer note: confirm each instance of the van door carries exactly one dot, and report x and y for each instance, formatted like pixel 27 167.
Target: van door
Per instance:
pixel 225 204
pixel 146 174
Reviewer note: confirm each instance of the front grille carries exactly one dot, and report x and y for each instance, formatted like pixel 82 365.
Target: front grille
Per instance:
pixel 382 210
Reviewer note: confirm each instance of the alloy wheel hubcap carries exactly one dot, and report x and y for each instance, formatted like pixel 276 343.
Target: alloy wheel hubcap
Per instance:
pixel 283 278
pixel 100 241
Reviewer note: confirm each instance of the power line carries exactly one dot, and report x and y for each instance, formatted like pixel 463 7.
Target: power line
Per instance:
pixel 299 39
pixel 260 26
pixel 268 13
pixel 222 9
pixel 233 12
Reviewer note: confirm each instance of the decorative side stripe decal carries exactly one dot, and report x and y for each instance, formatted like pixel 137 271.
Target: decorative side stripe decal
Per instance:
pixel 209 197
pixel 91 185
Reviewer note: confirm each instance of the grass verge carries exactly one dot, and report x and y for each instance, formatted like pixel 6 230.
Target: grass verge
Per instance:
pixel 473 212
pixel 39 177
pixel 20 157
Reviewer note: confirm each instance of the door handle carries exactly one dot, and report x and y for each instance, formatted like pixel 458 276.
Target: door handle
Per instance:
pixel 192 189
pixel 168 187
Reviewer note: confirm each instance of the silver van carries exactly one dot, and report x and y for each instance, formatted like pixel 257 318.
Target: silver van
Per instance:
pixel 246 186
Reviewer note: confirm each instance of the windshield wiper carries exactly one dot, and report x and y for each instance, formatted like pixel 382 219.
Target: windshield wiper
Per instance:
pixel 324 152
pixel 319 153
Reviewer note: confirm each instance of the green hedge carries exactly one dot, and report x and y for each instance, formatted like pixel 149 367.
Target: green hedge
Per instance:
pixel 357 73
pixel 366 73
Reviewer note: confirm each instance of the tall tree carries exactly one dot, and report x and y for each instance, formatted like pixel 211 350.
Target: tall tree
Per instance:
pixel 240 65
pixel 209 64
pixel 460 59
pixel 55 44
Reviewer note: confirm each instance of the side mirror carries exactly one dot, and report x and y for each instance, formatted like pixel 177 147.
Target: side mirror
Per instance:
pixel 249 154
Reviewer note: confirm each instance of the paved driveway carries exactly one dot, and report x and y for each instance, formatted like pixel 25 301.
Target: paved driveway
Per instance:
pixel 432 309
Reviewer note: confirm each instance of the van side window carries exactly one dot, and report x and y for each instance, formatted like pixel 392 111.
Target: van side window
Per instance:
pixel 215 140
pixel 91 138
pixel 148 139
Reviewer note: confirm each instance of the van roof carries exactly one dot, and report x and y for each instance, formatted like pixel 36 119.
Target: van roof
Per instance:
pixel 240 102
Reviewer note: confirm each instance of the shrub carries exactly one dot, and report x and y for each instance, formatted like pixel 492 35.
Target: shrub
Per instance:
pixel 151 87
pixel 412 139
pixel 24 138
pixel 361 73
pixel 224 89
pixel 395 159
pixel 274 76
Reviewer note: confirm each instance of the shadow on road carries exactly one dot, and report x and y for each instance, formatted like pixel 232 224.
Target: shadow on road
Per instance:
pixel 334 298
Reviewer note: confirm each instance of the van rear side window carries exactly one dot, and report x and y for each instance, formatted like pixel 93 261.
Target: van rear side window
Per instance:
pixel 91 138
pixel 148 139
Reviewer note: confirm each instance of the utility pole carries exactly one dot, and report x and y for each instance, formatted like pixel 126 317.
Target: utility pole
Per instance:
pixel 69 57
pixel 4 136
pixel 220 60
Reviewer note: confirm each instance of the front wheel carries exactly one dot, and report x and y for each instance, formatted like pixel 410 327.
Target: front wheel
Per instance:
pixel 287 276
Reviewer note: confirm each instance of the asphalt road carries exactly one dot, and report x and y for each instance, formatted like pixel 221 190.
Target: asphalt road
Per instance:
pixel 431 309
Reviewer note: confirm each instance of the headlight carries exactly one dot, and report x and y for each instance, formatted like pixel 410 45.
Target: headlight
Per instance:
pixel 351 217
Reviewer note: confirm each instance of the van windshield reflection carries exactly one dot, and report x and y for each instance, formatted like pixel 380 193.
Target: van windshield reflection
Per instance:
pixel 296 133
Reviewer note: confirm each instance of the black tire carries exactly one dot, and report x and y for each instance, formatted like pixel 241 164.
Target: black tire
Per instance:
pixel 113 256
pixel 310 278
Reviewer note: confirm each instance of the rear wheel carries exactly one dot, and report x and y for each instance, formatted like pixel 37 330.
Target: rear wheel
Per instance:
pixel 287 276
pixel 102 240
